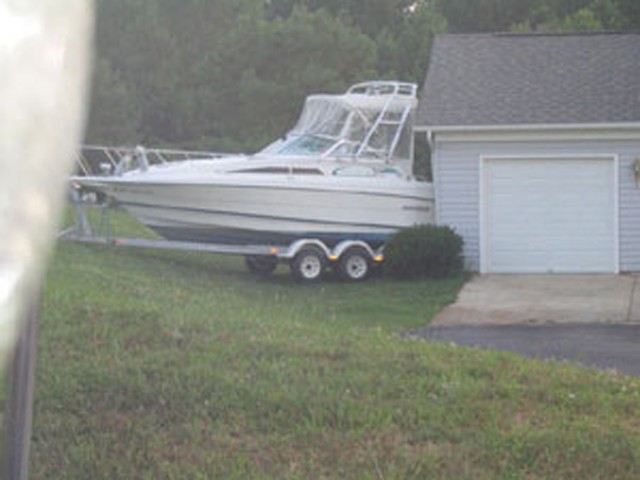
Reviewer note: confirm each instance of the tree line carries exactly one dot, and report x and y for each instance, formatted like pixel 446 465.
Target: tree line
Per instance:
pixel 231 75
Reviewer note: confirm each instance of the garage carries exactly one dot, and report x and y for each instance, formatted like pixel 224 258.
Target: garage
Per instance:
pixel 549 215
pixel 535 149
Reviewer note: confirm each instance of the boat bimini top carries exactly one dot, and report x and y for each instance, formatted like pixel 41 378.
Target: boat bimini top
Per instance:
pixel 371 120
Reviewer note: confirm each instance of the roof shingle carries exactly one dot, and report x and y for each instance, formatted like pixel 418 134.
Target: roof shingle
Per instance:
pixel 529 79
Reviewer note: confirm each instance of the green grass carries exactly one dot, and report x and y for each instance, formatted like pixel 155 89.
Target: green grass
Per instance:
pixel 158 365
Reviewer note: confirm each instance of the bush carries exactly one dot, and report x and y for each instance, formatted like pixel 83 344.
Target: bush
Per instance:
pixel 423 251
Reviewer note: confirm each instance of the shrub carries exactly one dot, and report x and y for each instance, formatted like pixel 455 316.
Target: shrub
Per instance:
pixel 423 251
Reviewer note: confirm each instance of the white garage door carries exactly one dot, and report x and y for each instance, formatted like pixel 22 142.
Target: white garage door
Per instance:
pixel 549 215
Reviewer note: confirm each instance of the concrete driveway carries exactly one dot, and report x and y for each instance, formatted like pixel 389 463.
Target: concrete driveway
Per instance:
pixel 545 299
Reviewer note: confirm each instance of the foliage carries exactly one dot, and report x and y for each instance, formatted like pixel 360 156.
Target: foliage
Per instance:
pixel 182 365
pixel 114 117
pixel 404 51
pixel 423 251
pixel 369 16
pixel 483 15
pixel 211 74
pixel 270 66
pixel 539 15
pixel 593 16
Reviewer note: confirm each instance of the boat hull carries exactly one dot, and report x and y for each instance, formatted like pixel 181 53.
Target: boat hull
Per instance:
pixel 276 212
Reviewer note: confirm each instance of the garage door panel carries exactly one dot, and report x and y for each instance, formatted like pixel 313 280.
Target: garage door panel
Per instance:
pixel 549 215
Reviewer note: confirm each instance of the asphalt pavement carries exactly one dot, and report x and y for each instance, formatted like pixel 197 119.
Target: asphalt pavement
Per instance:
pixel 600 345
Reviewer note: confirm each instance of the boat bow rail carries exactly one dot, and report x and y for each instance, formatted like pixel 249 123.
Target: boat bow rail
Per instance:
pixel 101 160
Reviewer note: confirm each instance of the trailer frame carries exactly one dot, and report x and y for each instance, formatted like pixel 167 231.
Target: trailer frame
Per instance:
pixel 308 258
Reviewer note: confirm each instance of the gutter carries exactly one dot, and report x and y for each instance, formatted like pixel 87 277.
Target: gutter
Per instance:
pixel 431 129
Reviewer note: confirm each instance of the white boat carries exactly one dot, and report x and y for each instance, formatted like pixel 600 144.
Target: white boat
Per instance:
pixel 343 172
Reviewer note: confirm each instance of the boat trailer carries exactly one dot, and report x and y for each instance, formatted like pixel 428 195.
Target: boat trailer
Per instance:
pixel 308 258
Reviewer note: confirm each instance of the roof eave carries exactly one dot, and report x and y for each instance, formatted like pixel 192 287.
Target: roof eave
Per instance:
pixel 528 127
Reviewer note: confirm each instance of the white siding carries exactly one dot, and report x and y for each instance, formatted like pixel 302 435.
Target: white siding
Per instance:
pixel 457 183
pixel 457 178
pixel 629 209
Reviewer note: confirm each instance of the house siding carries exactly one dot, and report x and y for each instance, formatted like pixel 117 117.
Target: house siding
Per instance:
pixel 457 178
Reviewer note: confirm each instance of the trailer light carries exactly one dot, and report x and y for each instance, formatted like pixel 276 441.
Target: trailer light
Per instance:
pixel 333 258
pixel 274 251
pixel 378 258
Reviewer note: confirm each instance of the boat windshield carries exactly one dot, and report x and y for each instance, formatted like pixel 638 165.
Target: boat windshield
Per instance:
pixel 332 117
pixel 306 145
pixel 340 125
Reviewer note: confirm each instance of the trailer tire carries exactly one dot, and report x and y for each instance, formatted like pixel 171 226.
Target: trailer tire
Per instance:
pixel 354 265
pixel 263 265
pixel 309 264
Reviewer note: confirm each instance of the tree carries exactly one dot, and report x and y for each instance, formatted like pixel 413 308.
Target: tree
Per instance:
pixel 270 66
pixel 114 117
pixel 540 15
pixel 403 30
pixel 369 16
pixel 135 41
pixel 404 53
pixel 218 74
pixel 630 11
pixel 483 15
pixel 564 16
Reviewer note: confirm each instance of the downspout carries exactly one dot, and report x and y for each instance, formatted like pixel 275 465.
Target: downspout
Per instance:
pixel 432 164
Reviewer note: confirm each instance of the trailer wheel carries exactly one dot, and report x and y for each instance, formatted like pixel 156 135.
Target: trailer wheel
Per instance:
pixel 261 264
pixel 309 264
pixel 354 264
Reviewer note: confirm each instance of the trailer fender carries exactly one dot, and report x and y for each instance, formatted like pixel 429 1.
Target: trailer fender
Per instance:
pixel 375 255
pixel 346 245
pixel 298 245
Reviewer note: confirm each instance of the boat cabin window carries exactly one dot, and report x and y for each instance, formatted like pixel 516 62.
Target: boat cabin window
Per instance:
pixel 354 171
pixel 283 170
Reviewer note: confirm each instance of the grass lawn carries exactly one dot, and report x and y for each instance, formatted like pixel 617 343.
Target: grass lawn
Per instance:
pixel 157 365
